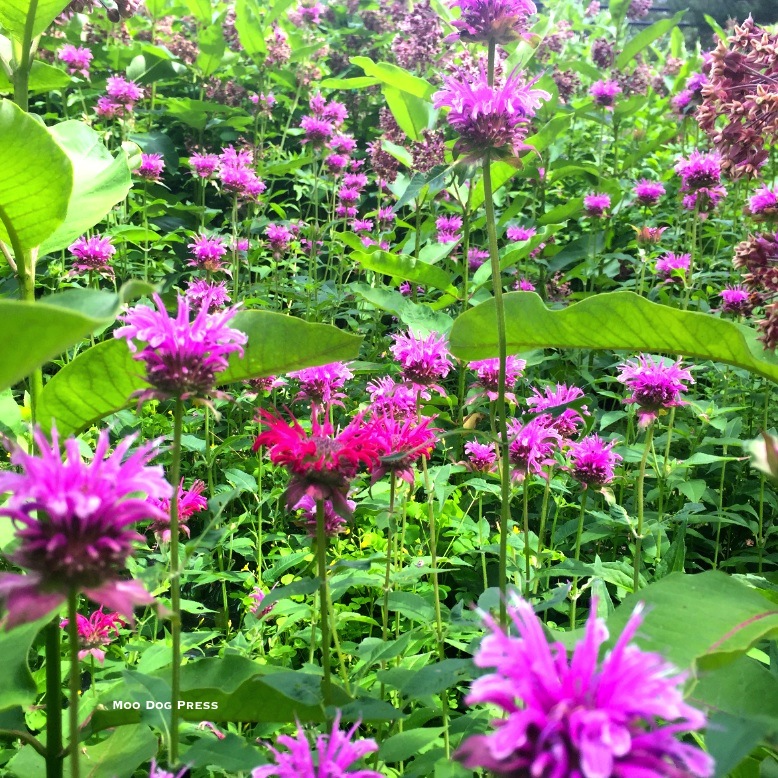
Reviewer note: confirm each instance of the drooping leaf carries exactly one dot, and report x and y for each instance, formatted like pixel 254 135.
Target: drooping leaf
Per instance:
pixel 412 113
pixel 36 181
pixel 395 76
pixel 646 37
pixel 620 321
pixel 15 14
pixel 18 687
pixel 212 45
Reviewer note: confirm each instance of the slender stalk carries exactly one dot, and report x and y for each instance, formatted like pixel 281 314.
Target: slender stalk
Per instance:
pixel 639 497
pixel 722 481
pixel 525 516
pixel 578 535
pixel 324 619
pixel 235 254
pixel 760 540
pixel 175 584
pixel 53 701
pixel 388 570
pixel 75 682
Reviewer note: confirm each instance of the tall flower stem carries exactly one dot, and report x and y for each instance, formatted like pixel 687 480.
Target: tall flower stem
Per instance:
pixel 639 498
pixel 722 481
pixel 235 253
pixel 578 534
pixel 175 584
pixel 388 570
pixel 324 598
pixel 692 252
pixel 75 682
pixel 527 551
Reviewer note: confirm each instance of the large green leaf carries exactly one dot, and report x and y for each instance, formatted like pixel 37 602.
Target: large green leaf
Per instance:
pixel 101 380
pixel 33 333
pixel 18 687
pixel 703 620
pixel 100 181
pixel 212 47
pixel 36 180
pixel 14 16
pixel 406 267
pixel 43 78
pixel 395 76
pixel 412 113
pixel 646 38
pixel 621 321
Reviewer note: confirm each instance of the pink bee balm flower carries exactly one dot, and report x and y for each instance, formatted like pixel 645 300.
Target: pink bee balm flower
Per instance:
pixel 655 386
pixel 672 268
pixel 332 755
pixel 736 300
pixel 596 204
pixel 343 144
pixel 424 361
pixel 257 596
pixel 577 716
pixel 75 524
pixel 489 118
pixel 448 228
pixel 317 131
pixel 532 446
pixel 481 457
pixel 402 443
pixel 523 285
pixel 388 397
pixel 151 167
pixel 520 234
pixel 94 632
pixel 649 193
pixel 592 461
pixel 93 255
pixel 648 236
pixel 476 257
pixel 278 238
pixel 212 295
pixel 764 203
pixel 183 357
pixel 570 420
pixel 320 385
pixel 334 523
pixel 76 58
pixel 207 252
pixel 322 463
pixel 108 109
pixel 190 501
pixel 699 171
pixel 500 21
pixel 604 93
pixel 204 165
pixel 488 370
pixel 119 90
pixel 157 772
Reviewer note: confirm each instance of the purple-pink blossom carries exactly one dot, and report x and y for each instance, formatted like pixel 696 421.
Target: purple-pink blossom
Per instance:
pixel 207 252
pixel 500 21
pixel 190 501
pixel 77 58
pixel 699 171
pixel 566 422
pixel 673 268
pixel 592 461
pixel 320 385
pixel 736 300
pixel 604 92
pixel 93 255
pixel 487 372
pixel 389 397
pixel 151 167
pixel 576 715
pixel 95 632
pixel 401 443
pixel 596 204
pixel 520 234
pixel 204 165
pixel 649 193
pixel 334 523
pixel 120 90
pixel 423 361
pixel 448 228
pixel 532 446
pixel 764 203
pixel 209 294
pixel 481 457
pixel 75 524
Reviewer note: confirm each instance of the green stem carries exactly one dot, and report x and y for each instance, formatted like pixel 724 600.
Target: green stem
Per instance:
pixel 639 497
pixel 321 555
pixel 721 510
pixel 175 584
pixel 22 72
pixel 53 701
pixel 578 535
pixel 388 570
pixel 527 553
pixel 75 682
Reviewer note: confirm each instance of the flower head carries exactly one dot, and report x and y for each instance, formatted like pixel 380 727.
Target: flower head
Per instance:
pixel 673 268
pixel 604 92
pixel 95 632
pixel 488 371
pixel 699 171
pixel 736 300
pixel 520 234
pixel 320 385
pixel 322 463
pixel 489 118
pixel 317 130
pixel 332 755
pixel 75 524
pixel 93 255
pixel 476 257
pixel 763 204
pixel 532 446
pixel 204 165
pixel 388 397
pixel 119 90
pixel 209 294
pixel 500 21
pixel 76 58
pixel 207 252
pixel 334 523
pixel 183 357
pixel 151 167
pixel 570 420
pixel 424 361
pixel 648 236
pixel 481 457
pixel 649 193
pixel 401 443
pixel 576 716
pixel 257 596
pixel 655 386
pixel 592 461
pixel 596 204
pixel 190 501
pixel 448 228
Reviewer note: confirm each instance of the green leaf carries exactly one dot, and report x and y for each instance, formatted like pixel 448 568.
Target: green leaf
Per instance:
pixel 412 606
pixel 621 321
pixel 434 178
pixel 706 620
pixel 43 78
pixel 715 26
pixel 406 267
pixel 212 45
pixel 248 24
pixel 646 37
pixel 33 333
pixel 412 113
pixel 358 82
pixel 618 9
pixel 18 687
pixel 395 76
pixel 438 676
pixel 417 316
pixel 101 380
pixel 201 10
pixel 100 180
pixel 14 16
pixel 295 589
pixel 404 745
pixel 233 754
pixel 36 181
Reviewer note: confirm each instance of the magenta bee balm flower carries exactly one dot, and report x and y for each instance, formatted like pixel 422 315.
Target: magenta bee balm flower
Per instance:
pixel 320 385
pixel 207 252
pixel 532 446
pixel 488 370
pixel 151 167
pixel 204 165
pixel 401 443
pixel 655 386
pixel 334 523
pixel 520 234
pixel 448 228
pixel 212 295
pixel 424 361
pixel 592 461
pixel 577 716
pixel 183 357
pixel 75 524
pixel 763 204
pixel 190 501
pixel 649 193
pixel 491 119
pixel 95 632
pixel 92 255
pixel 736 300
pixel 570 420
pixel 672 268
pixel 596 204
pixel 500 21
pixel 332 755
pixel 481 457
pixel 77 59
pixel 604 93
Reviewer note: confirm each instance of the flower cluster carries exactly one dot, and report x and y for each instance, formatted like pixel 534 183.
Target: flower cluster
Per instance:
pixel 424 361
pixel 655 385
pixel 95 632
pixel 604 93
pixel 190 501
pixel 93 255
pixel 76 58
pixel 237 176
pixel 498 21
pixel 487 371
pixel 119 99
pixel 207 252
pixel 592 461
pixel 151 167
pixel 320 385
pixel 673 268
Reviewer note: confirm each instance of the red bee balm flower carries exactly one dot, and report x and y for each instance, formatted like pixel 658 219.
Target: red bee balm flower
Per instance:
pixel 94 632
pixel 321 463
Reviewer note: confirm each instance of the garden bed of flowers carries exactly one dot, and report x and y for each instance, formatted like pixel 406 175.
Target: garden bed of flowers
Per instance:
pixel 387 389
